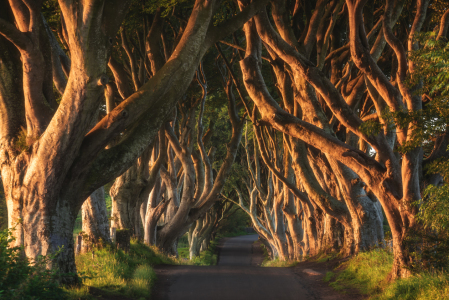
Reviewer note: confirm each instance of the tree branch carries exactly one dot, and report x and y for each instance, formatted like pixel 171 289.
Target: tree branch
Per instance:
pixel 444 25
pixel 217 33
pixel 14 35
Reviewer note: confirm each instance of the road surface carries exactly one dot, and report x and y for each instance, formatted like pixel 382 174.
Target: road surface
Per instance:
pixel 236 277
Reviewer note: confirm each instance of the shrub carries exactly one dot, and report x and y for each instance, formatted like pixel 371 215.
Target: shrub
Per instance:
pixel 20 279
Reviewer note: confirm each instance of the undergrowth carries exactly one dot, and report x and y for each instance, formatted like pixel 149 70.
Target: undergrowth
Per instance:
pixel 323 257
pixel 208 257
pixel 117 272
pixel 279 263
pixel 21 279
pixel 368 272
pixel 424 286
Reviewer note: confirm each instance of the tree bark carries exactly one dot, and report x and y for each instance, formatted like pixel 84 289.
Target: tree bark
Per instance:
pixel 95 221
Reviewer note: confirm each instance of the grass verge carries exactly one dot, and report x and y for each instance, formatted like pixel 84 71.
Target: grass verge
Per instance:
pixel 208 257
pixel 368 273
pixel 115 272
pixel 275 263
pixel 323 256
pixel 279 263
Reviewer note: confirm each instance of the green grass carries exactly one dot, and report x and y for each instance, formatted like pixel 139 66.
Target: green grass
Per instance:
pixel 116 272
pixel 419 287
pixel 328 276
pixel 368 273
pixel 279 263
pixel 208 257
pixel 323 257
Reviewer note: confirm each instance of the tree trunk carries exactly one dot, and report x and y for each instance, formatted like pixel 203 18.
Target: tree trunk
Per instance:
pixel 43 229
pixel 61 150
pixel 95 221
pixel 195 238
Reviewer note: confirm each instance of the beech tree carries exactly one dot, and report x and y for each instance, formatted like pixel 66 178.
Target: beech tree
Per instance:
pixel 285 210
pixel 52 159
pixel 340 90
pixel 330 109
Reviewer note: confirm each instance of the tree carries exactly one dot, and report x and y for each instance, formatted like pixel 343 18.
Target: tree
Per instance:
pixel 329 114
pixel 64 159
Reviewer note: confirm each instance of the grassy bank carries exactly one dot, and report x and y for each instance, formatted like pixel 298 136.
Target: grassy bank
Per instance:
pixel 114 272
pixel 368 273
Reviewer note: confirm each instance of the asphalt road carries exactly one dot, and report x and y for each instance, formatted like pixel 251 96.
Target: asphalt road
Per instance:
pixel 235 277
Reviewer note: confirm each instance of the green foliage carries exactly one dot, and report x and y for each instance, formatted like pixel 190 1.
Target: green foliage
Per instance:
pixel 118 272
pixel 208 257
pixel 235 225
pixel 21 143
pixel 424 286
pixel 428 241
pixel 167 5
pixel 431 79
pixel 432 232
pixel 434 212
pixel 51 12
pixel 368 273
pixel 371 127
pixel 19 279
pixel 328 276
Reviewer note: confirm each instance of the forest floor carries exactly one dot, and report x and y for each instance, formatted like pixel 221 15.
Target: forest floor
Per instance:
pixel 239 275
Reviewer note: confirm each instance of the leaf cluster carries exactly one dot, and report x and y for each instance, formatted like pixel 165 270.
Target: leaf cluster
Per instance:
pixel 428 242
pixel 21 279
